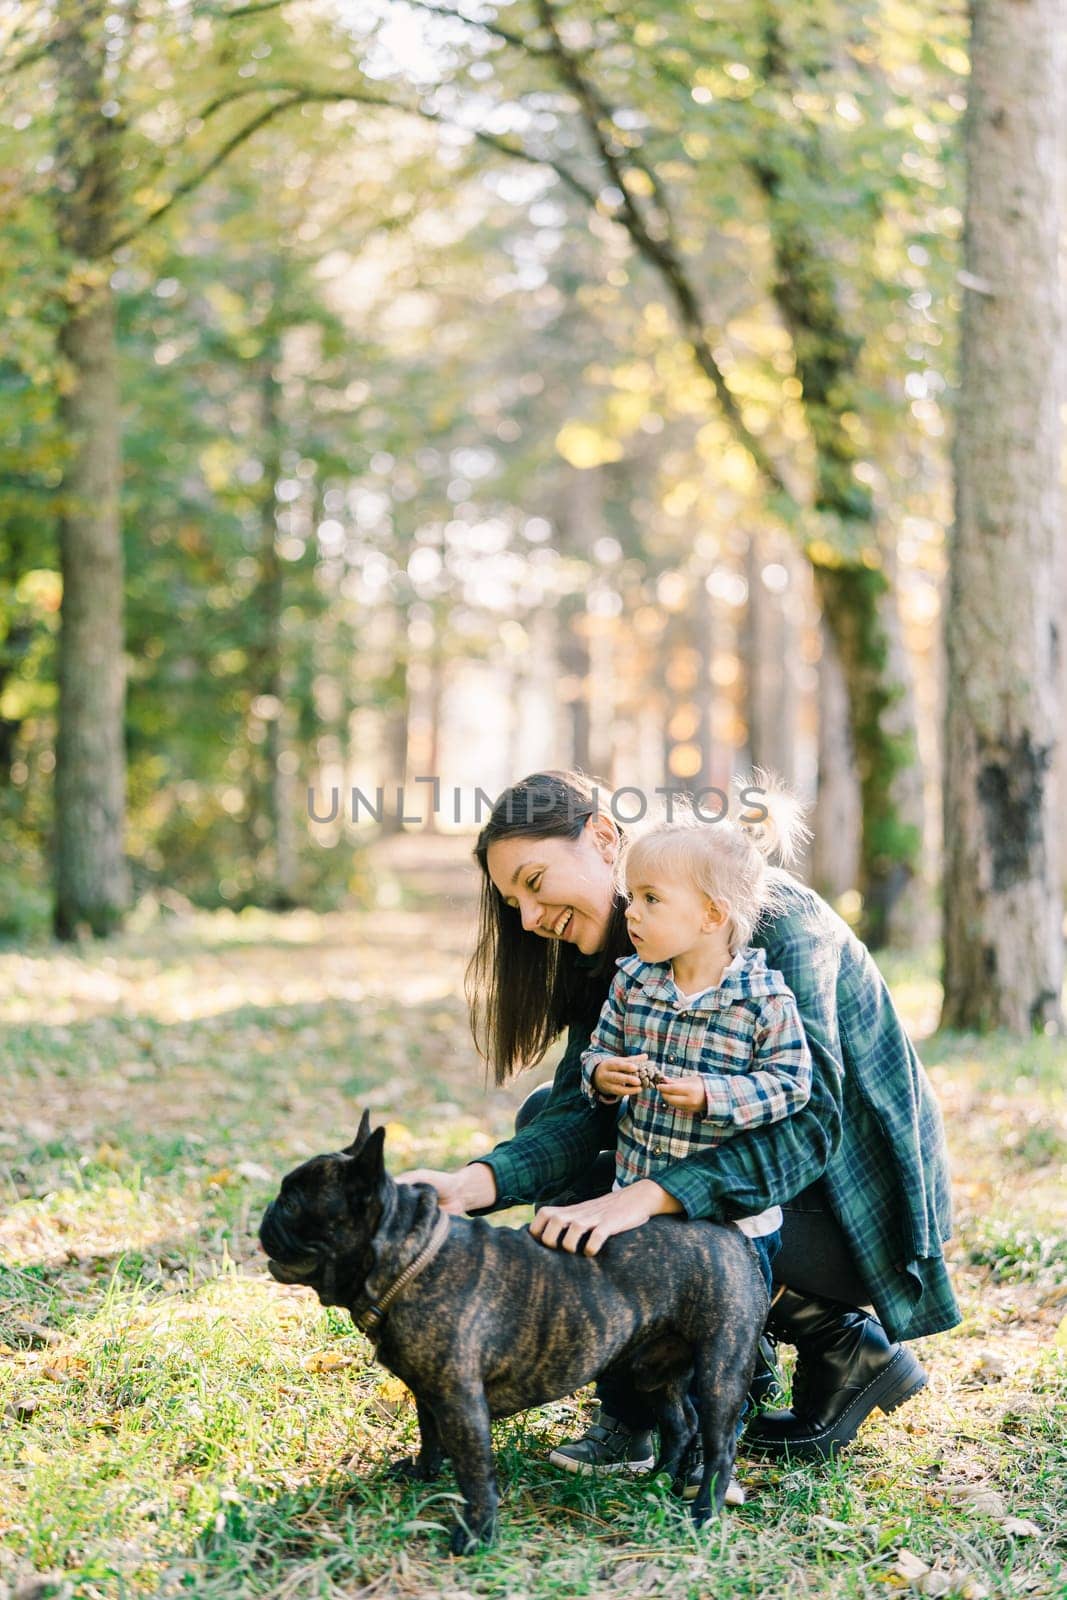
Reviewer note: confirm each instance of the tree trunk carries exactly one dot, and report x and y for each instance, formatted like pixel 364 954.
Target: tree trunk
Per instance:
pixel 854 591
pixel 758 670
pixel 768 647
pixel 835 825
pixel 859 607
pixel 577 521
pixel 91 878
pixel 1003 905
pixel 276 854
pixel 703 648
pixel 574 669
pixel 12 654
pixel 435 705
pixel 396 730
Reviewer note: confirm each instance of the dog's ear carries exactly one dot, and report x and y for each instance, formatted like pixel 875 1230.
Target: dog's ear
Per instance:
pixel 368 1162
pixel 361 1137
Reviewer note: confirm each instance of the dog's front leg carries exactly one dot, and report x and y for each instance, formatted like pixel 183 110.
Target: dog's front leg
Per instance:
pixel 430 1459
pixel 463 1424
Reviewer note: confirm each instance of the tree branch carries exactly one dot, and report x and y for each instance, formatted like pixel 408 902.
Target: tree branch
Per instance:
pixel 240 13
pixel 514 39
pixel 296 94
pixel 197 178
pixel 35 53
pixel 657 247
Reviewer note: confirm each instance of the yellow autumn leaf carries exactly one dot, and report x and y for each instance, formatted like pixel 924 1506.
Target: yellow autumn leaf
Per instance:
pixel 110 1156
pixel 327 1361
pixel 61 1369
pixel 392 1389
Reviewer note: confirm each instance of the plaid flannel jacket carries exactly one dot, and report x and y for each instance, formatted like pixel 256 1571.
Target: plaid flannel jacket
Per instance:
pixel 871 1129
pixel 744 1037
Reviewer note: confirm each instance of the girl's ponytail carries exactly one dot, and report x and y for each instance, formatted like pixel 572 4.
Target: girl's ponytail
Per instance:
pixel 774 819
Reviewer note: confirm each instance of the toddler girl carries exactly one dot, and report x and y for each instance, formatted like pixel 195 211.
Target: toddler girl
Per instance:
pixel 702 1038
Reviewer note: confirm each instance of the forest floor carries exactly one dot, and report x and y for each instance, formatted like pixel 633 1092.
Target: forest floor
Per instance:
pixel 175 1423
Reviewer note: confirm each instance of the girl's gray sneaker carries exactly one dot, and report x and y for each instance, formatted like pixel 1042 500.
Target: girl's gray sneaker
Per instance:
pixel 692 1476
pixel 607 1445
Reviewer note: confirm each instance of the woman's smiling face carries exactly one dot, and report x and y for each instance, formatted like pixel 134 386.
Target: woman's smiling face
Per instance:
pixel 562 888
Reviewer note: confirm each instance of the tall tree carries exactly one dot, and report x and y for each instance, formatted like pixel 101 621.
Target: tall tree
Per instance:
pixel 92 886
pixel 849 570
pixel 126 149
pixel 1003 908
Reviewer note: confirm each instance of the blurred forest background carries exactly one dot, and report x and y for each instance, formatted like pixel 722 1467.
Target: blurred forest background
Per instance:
pixel 402 388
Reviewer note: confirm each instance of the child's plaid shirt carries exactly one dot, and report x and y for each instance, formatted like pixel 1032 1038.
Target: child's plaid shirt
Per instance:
pixel 744 1037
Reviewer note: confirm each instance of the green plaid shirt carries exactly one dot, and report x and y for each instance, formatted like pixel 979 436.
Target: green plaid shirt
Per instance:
pixel 871 1129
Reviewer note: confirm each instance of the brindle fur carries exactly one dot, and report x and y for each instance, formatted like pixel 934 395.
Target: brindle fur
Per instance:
pixel 497 1322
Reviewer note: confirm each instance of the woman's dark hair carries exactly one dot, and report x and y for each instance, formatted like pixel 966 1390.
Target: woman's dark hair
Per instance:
pixel 522 990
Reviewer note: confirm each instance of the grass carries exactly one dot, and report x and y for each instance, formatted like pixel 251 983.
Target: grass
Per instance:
pixel 176 1424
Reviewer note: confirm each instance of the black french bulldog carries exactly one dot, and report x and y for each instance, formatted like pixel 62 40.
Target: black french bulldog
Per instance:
pixel 483 1322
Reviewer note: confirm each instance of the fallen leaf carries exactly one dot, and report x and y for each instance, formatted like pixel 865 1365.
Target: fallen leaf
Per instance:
pixel 21 1410
pixel 110 1156
pixel 43 1586
pixel 832 1525
pixel 62 1368
pixel 990 1368
pixel 956 1581
pixel 327 1361
pixel 990 1502
pixel 393 1390
pixel 910 1566
pixel 31 1335
pixel 253 1171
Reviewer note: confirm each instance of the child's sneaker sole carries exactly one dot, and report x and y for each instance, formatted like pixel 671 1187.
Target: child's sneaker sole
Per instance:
pixel 735 1495
pixel 569 1464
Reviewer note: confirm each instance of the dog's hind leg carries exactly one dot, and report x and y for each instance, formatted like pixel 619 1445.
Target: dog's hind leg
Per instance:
pixel 677 1425
pixel 721 1391
pixel 463 1427
pixel 427 1464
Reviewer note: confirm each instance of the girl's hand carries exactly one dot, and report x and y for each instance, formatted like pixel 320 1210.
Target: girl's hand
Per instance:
pixel 618 1075
pixel 684 1094
pixel 469 1189
pixel 564 1227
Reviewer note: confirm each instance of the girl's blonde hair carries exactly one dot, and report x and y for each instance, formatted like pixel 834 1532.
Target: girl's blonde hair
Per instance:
pixel 727 860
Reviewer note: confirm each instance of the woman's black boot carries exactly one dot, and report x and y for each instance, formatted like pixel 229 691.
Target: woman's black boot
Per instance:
pixel 846 1368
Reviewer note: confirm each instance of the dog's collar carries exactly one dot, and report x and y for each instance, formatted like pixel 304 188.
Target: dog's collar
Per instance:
pixel 370 1320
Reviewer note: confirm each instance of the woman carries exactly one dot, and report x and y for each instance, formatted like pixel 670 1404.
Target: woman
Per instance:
pixel 860 1172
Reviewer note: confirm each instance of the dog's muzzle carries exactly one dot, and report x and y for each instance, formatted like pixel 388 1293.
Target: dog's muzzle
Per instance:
pixel 289 1260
